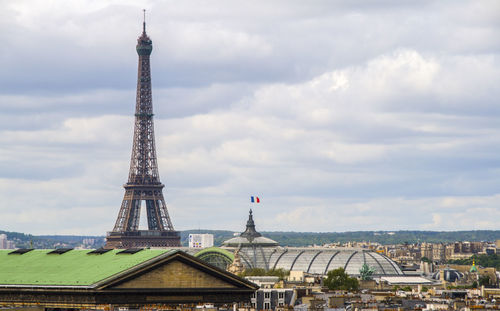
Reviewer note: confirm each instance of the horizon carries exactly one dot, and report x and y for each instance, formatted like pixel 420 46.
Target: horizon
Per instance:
pixel 339 116
pixel 311 232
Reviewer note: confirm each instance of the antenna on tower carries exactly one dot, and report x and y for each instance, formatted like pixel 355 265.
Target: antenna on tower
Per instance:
pixel 144 22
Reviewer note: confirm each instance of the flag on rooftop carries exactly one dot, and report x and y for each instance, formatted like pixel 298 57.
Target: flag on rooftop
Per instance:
pixel 255 199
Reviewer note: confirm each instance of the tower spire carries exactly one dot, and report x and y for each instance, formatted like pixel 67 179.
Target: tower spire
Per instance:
pixel 143 188
pixel 250 231
pixel 144 22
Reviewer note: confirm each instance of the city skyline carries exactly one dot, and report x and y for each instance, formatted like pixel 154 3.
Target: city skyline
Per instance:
pixel 340 116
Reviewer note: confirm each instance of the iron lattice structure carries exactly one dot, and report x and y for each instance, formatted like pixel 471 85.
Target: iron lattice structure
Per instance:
pixel 143 189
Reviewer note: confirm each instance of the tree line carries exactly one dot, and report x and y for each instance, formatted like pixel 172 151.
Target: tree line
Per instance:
pixel 294 239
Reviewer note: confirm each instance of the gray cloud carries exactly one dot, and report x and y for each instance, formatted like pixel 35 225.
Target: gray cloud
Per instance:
pixel 341 115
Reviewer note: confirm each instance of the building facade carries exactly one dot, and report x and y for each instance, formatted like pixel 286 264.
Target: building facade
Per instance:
pixel 197 240
pixel 5 243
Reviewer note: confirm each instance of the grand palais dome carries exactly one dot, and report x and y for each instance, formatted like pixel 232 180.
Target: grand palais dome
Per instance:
pixel 256 251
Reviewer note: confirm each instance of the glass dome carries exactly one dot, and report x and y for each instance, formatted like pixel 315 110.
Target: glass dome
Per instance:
pixel 257 251
pixel 317 260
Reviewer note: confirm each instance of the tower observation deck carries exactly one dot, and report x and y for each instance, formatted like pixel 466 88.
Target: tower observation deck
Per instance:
pixel 143 188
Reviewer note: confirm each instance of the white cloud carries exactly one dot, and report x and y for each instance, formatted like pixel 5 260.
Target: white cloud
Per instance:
pixel 340 116
pixel 75 130
pixel 387 214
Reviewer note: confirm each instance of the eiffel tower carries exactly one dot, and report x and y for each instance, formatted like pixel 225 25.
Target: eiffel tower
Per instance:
pixel 143 189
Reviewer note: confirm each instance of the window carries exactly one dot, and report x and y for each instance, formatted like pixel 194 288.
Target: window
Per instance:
pixel 267 305
pixel 267 295
pixel 281 295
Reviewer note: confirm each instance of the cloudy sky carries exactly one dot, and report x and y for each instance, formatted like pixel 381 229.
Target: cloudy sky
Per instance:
pixel 341 115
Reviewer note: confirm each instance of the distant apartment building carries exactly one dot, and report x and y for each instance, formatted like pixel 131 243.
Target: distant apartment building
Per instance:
pixel 364 245
pixel 449 251
pixel 402 255
pixel 88 241
pixel 439 252
pixel 468 247
pixel 4 243
pixel 272 298
pixel 426 250
pixel 201 240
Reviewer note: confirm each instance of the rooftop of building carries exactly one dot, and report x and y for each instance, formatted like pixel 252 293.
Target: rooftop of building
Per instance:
pixel 70 267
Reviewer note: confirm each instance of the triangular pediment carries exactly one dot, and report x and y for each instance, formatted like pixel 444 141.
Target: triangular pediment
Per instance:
pixel 179 272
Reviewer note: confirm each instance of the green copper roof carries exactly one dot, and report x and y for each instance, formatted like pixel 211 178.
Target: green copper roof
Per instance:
pixel 214 250
pixel 73 268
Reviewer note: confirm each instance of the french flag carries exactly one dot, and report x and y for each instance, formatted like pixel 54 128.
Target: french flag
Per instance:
pixel 254 199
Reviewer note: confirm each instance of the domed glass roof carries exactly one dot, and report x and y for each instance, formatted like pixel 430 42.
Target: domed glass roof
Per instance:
pixel 318 260
pixel 257 251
